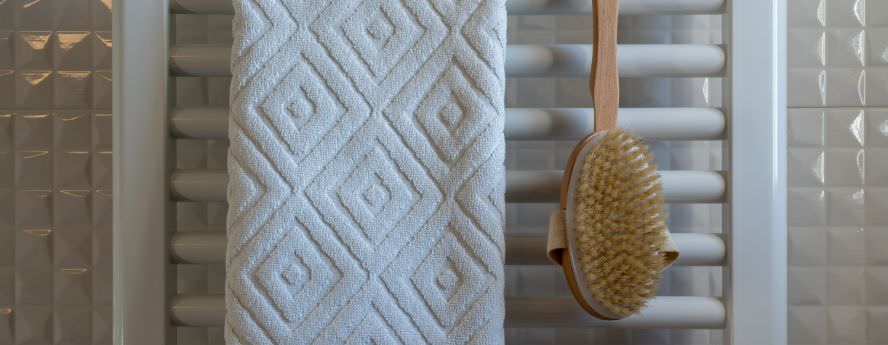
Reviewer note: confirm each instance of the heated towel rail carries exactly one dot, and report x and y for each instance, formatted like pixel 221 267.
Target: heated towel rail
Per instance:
pixel 752 248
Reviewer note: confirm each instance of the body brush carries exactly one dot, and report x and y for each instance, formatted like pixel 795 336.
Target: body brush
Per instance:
pixel 609 234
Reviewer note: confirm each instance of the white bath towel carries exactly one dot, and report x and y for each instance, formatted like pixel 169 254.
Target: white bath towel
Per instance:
pixel 367 180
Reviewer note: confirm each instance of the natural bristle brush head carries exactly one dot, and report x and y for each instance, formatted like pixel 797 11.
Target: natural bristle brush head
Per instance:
pixel 619 228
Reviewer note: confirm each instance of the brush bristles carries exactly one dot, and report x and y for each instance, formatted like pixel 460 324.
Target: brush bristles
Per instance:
pixel 620 223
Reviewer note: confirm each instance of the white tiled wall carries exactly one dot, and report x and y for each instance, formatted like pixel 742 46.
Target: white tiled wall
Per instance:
pixel 55 172
pixel 838 225
pixel 837 55
pixel 838 171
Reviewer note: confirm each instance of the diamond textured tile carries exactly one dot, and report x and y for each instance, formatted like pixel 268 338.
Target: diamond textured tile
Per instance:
pixel 837 53
pixel 51 200
pixel 838 191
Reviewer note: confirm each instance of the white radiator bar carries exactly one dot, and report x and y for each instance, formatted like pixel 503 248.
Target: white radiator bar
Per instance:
pixel 195 247
pixel 679 186
pixel 755 155
pixel 521 123
pixel 662 312
pixel 198 310
pixel 522 60
pixel 516 7
pixel 143 282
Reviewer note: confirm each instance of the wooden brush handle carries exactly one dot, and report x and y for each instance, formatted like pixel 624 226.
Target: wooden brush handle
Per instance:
pixel 604 81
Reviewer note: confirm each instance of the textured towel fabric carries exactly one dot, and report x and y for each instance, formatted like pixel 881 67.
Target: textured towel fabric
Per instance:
pixel 367 180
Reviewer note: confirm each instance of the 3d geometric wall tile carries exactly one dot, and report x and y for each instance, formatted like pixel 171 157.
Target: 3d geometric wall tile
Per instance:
pixel 838 77
pixel 55 172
